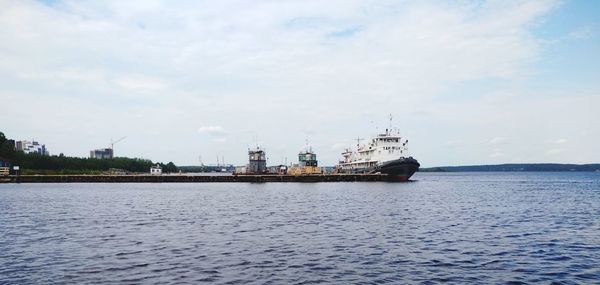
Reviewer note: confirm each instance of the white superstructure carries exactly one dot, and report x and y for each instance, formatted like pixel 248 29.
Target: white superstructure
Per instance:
pixel 382 148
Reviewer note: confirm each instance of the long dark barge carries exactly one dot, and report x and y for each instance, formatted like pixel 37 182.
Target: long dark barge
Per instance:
pixel 192 178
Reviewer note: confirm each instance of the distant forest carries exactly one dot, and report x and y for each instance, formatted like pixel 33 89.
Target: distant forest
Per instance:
pixel 516 167
pixel 34 163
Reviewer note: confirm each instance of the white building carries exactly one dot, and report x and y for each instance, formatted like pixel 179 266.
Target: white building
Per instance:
pixel 156 170
pixel 31 147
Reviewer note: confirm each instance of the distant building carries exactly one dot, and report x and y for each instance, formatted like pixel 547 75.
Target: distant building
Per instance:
pixel 156 170
pixel 31 147
pixel 102 153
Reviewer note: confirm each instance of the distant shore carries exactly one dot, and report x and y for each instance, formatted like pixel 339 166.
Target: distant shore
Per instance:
pixel 516 167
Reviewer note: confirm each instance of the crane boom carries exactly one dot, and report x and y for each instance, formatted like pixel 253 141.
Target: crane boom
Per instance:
pixel 112 144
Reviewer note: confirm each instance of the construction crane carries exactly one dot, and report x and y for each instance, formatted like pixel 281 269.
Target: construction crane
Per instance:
pixel 112 144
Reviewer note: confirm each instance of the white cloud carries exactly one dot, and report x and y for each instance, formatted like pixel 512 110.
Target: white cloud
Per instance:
pixel 454 143
pixel 496 153
pixel 213 130
pixel 560 141
pixel 581 33
pixel 497 141
pixel 554 151
pixel 145 84
pixel 339 146
pixel 280 70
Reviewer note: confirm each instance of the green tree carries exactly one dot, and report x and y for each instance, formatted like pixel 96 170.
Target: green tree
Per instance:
pixel 38 163
pixel 170 168
pixel 7 150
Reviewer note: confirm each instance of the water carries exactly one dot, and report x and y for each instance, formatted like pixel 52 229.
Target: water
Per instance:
pixel 477 228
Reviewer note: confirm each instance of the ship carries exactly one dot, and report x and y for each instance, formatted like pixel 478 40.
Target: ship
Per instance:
pixel 386 153
pixel 307 163
pixel 257 163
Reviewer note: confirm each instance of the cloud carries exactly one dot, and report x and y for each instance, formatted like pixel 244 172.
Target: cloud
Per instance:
pixel 554 151
pixel 560 141
pixel 497 141
pixel 144 84
pixel 344 33
pixel 582 33
pixel 454 143
pixel 276 67
pixel 216 131
pixel 340 146
pixel 496 153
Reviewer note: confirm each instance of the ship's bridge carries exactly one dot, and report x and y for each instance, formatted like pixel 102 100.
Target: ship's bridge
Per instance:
pixel 383 147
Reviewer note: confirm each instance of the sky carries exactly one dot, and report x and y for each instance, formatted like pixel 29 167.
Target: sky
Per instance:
pixel 466 82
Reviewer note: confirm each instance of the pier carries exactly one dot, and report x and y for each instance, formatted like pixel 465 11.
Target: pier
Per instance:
pixel 192 178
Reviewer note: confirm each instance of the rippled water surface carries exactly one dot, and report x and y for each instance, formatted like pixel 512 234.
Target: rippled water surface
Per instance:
pixel 477 228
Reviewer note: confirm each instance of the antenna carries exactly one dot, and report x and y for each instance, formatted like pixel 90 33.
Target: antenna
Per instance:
pixel 358 139
pixel 308 148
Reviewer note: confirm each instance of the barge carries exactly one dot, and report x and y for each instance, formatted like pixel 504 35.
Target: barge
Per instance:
pixel 182 178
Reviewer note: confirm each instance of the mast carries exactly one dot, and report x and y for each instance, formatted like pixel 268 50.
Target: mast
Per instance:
pixel 389 131
pixel 358 139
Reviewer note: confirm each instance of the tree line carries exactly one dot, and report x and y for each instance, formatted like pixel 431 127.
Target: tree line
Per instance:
pixel 512 167
pixel 63 164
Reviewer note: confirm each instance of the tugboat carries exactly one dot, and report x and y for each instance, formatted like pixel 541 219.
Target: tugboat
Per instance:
pixel 307 163
pixel 257 162
pixel 385 153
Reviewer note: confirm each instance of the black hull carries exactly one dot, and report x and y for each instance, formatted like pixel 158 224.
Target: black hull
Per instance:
pixel 398 170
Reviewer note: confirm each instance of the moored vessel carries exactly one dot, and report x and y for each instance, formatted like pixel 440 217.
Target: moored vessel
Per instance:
pixel 386 153
pixel 307 163
pixel 257 162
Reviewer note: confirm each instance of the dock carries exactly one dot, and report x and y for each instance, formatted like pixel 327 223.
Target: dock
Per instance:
pixel 183 178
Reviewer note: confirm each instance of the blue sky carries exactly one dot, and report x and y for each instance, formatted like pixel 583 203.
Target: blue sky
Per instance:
pixel 468 82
